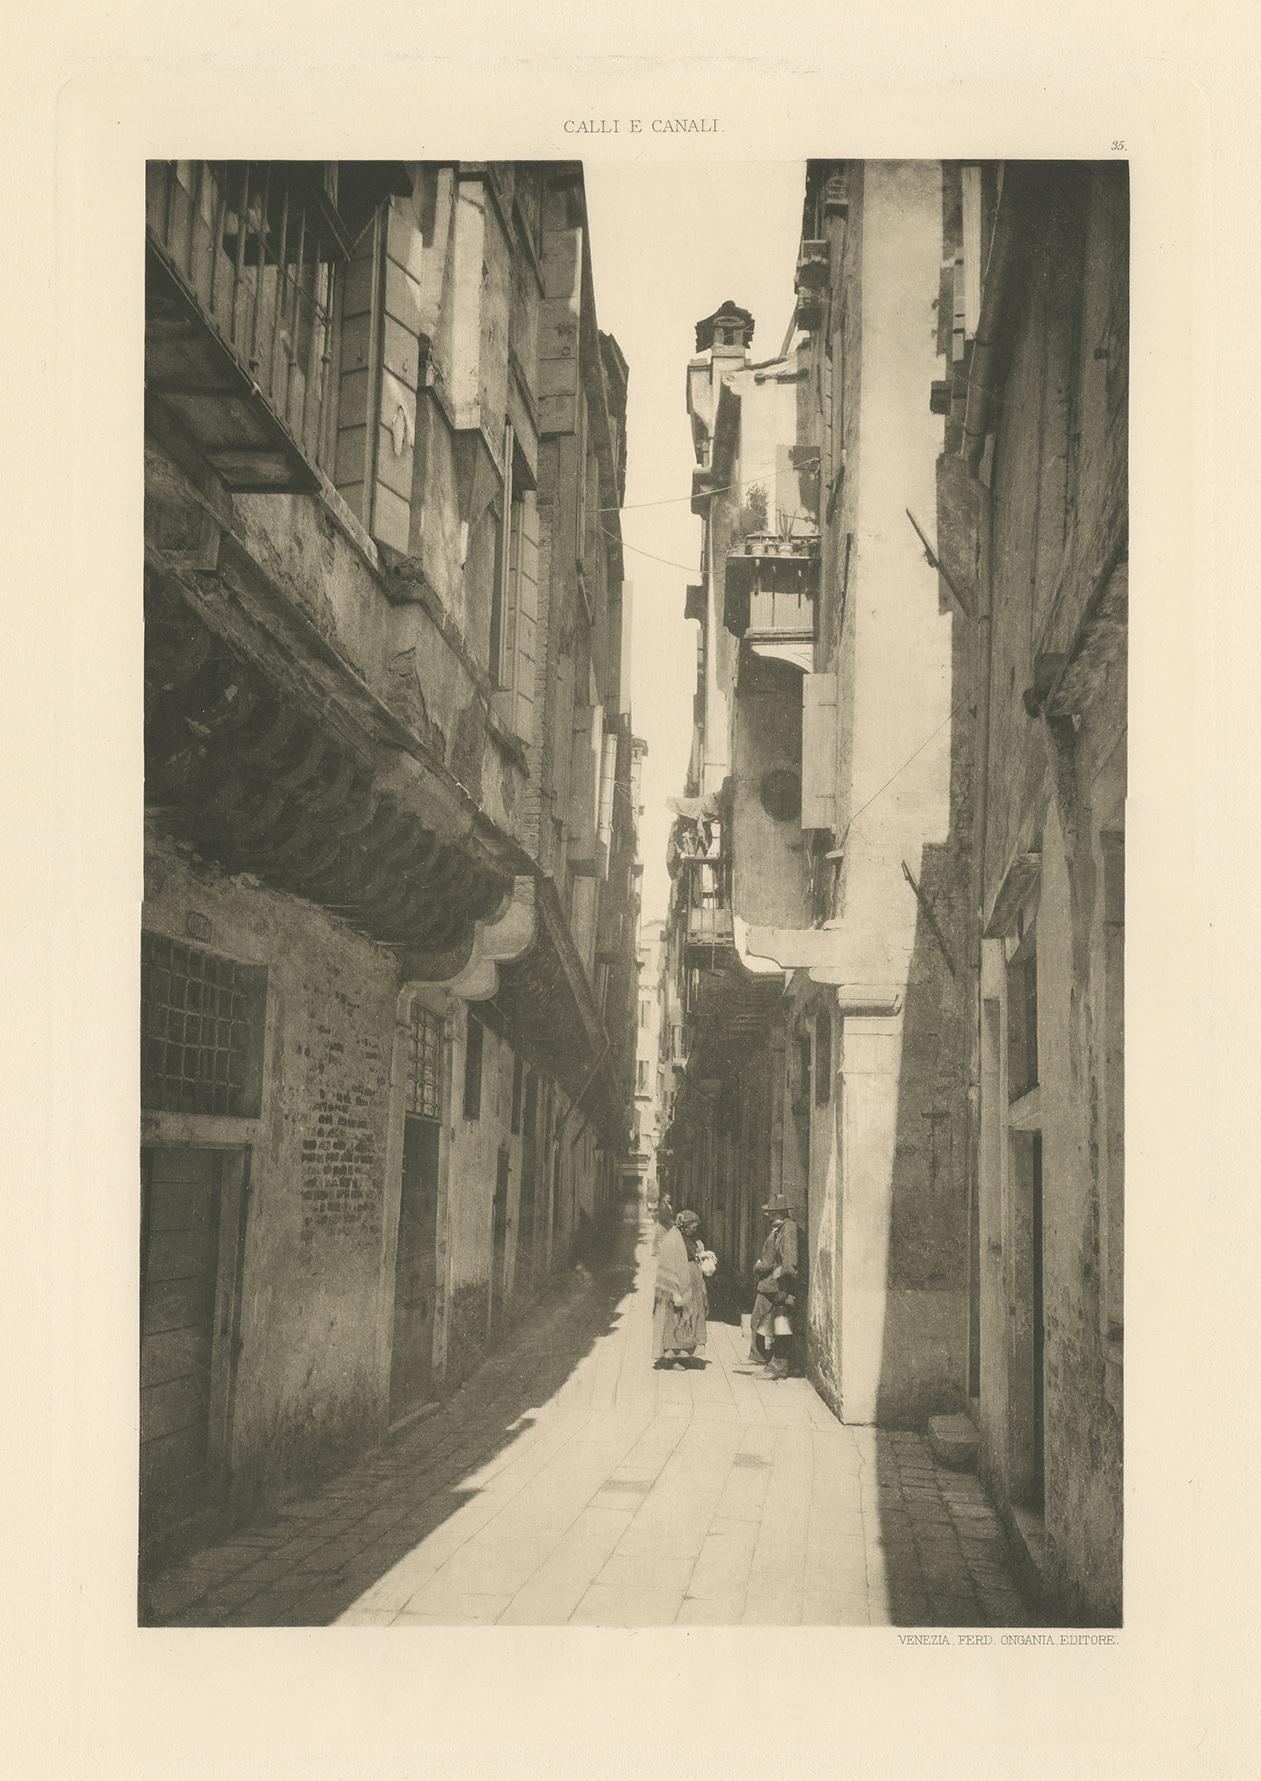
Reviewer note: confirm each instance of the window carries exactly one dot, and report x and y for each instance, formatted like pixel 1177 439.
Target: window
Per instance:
pixel 1022 1016
pixel 501 604
pixel 424 1063
pixel 822 1058
pixel 643 1011
pixel 201 1030
pixel 641 1076
pixel 529 197
pixel 802 1099
pixel 580 472
pixel 518 1089
pixel 1020 1229
pixel 1112 1086
pixel 514 597
pixel 473 1068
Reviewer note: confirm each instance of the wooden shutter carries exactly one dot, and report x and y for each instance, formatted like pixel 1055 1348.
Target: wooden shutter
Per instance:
pixel 971 180
pixel 526 581
pixel 818 751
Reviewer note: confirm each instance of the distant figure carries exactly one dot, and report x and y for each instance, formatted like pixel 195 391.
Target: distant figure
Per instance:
pixel 776 1306
pixel 665 1220
pixel 679 1304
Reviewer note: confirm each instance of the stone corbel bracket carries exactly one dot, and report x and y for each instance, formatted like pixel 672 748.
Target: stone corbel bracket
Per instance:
pixel 496 942
pixel 753 950
pixel 881 1001
pixel 868 975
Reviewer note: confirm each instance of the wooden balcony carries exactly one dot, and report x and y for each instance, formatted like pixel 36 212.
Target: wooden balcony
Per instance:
pixel 771 587
pixel 814 265
pixel 242 260
pixel 709 926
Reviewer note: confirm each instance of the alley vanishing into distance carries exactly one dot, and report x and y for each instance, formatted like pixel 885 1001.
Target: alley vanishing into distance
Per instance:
pixel 568 1481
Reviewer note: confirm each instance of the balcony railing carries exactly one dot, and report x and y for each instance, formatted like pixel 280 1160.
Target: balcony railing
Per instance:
pixel 771 586
pixel 709 926
pixel 814 265
pixel 239 336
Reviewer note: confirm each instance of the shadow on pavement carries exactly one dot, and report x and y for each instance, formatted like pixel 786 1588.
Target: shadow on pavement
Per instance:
pixel 306 1561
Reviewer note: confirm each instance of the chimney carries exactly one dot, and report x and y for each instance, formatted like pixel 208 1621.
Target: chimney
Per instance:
pixel 726 333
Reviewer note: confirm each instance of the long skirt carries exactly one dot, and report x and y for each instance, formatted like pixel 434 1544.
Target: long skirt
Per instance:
pixel 679 1331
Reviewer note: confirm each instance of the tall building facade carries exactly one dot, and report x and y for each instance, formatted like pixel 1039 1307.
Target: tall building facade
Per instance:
pixel 643 1181
pixel 391 892
pixel 896 912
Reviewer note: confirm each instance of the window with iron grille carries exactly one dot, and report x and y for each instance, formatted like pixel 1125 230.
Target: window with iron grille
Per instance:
pixel 201 1030
pixel 424 1064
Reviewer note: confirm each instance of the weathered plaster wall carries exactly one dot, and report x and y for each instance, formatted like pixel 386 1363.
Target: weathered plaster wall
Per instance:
pixel 770 867
pixel 308 1380
pixel 768 432
pixel 1056 791
pixel 406 654
pixel 888 1153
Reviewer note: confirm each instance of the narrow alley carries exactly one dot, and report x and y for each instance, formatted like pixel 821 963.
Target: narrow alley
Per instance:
pixel 568 1481
pixel 511 875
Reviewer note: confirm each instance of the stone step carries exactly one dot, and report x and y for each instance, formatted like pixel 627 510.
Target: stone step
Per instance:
pixel 953 1440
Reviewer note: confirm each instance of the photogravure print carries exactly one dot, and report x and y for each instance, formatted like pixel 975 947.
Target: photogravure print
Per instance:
pixel 632 992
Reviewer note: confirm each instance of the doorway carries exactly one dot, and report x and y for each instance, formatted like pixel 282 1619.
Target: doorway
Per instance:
pixel 524 1276
pixel 415 1269
pixel 1028 1341
pixel 192 1206
pixel 499 1245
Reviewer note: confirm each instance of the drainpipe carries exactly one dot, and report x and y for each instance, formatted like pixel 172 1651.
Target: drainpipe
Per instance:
pixel 582 1095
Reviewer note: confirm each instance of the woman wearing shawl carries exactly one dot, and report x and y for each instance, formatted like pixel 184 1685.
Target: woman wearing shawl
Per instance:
pixel 678 1314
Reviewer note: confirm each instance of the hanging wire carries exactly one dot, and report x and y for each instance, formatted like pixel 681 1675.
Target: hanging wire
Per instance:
pixel 687 568
pixel 902 769
pixel 676 500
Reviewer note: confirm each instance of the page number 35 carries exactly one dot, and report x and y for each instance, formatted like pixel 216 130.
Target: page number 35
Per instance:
pixel 1116 146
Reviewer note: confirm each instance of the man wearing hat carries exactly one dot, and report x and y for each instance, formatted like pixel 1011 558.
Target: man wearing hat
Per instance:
pixel 778 1292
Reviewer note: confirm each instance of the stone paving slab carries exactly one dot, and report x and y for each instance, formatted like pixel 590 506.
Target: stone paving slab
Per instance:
pixel 570 1482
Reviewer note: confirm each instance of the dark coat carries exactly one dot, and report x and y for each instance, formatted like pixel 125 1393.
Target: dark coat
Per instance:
pixel 779 1270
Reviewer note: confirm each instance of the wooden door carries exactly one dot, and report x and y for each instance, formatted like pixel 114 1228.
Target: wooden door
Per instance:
pixel 499 1243
pixel 1038 1357
pixel 415 1269
pixel 524 1270
pixel 191 1207
pixel 1026 1341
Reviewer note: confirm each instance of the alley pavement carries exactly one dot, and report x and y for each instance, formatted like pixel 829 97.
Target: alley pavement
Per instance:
pixel 569 1481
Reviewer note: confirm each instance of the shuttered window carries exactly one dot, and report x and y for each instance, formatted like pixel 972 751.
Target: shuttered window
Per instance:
pixel 514 620
pixel 818 751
